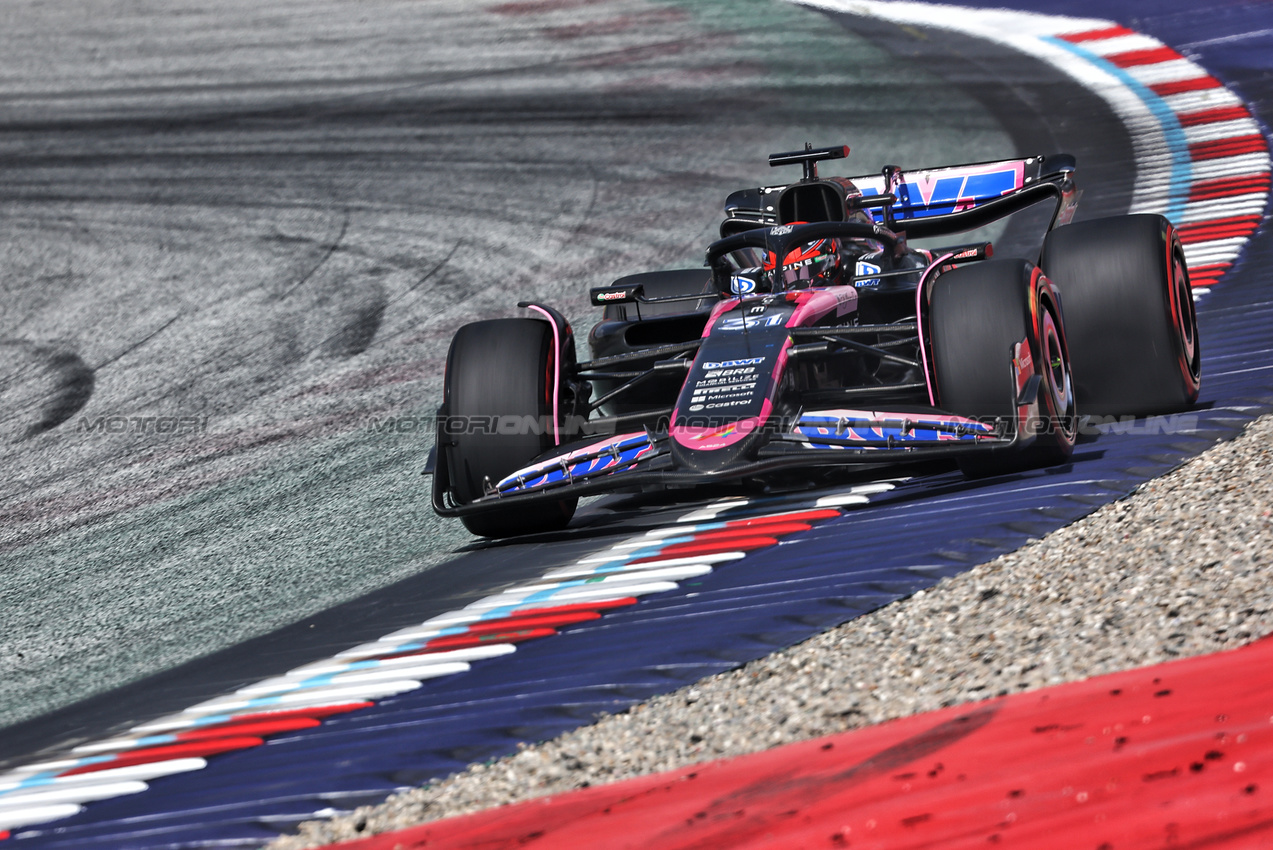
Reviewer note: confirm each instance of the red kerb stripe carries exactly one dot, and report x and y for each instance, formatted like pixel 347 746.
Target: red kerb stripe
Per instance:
pixel 258 728
pixel 467 640
pixel 1253 143
pixel 1228 187
pixel 577 606
pixel 1224 228
pixel 172 751
pixel 1097 35
pixel 316 712
pixel 1211 116
pixel 689 550
pixel 1182 86
pixel 1218 222
pixel 768 529
pixel 1208 275
pixel 801 516
pixel 1152 56
pixel 507 623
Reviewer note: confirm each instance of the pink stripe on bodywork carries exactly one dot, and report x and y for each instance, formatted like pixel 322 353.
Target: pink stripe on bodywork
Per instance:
pixel 556 370
pixel 705 439
pixel 929 378
pixel 719 310
pixel 816 304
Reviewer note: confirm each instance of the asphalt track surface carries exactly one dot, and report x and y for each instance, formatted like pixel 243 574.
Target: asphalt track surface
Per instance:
pixel 239 241
pixel 294 494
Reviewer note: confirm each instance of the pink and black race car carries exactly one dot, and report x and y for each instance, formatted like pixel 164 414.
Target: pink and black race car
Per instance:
pixel 816 336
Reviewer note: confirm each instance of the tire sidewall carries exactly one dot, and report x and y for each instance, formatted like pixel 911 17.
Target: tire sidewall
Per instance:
pixel 1129 314
pixel 499 379
pixel 979 316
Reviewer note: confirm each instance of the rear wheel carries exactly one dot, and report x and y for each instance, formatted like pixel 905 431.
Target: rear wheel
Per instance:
pixel 499 400
pixel 981 317
pixel 1129 314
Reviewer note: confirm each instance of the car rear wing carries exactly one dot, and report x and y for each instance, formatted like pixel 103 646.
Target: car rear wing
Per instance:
pixel 955 188
pixel 934 201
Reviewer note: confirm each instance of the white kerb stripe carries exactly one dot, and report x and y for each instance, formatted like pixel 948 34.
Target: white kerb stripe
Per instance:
pixel 1221 130
pixel 578 594
pixel 418 671
pixel 109 776
pixel 1121 44
pixel 1230 166
pixel 38 814
pixel 635 572
pixel 388 647
pixel 1166 72
pixel 1200 101
pixel 1218 250
pixel 1252 204
pixel 584 570
pixel 329 696
pixel 18 804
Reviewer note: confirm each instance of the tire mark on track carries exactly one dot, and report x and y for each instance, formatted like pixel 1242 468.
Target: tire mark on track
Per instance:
pixel 73 389
pixel 69 381
pixel 332 248
pixel 395 169
pixel 414 288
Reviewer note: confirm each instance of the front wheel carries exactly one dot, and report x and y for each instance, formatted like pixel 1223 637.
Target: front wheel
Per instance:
pixel 498 395
pixel 992 326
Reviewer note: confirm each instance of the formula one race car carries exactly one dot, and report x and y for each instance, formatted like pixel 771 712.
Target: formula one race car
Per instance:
pixel 815 337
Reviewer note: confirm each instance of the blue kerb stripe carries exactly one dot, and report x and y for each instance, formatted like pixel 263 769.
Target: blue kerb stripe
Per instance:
pixel 1177 146
pixel 46 777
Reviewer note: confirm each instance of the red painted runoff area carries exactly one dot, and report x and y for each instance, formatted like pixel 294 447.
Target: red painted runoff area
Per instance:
pixel 1176 755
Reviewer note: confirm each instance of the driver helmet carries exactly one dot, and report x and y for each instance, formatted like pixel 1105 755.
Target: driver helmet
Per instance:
pixel 815 263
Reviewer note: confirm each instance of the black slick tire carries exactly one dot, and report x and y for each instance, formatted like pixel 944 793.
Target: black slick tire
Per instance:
pixel 499 385
pixel 978 315
pixel 1129 314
